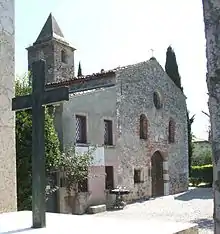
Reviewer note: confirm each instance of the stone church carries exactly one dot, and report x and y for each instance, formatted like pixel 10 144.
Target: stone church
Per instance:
pixel 135 115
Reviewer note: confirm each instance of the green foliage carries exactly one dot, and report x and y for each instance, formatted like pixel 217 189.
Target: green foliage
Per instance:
pixel 76 167
pixel 202 174
pixel 171 67
pixel 204 157
pixel 24 147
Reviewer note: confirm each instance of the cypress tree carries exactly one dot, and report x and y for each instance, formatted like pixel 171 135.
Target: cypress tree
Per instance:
pixel 79 70
pixel 171 67
pixel 172 71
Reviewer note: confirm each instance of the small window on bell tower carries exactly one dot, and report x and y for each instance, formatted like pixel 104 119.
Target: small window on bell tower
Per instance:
pixel 63 56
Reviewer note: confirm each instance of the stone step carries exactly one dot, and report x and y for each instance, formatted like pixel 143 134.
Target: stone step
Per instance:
pixel 97 209
pixel 189 230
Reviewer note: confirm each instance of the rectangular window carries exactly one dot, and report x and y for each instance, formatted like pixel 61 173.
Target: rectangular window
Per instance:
pixel 80 129
pixel 137 176
pixel 108 138
pixel 109 177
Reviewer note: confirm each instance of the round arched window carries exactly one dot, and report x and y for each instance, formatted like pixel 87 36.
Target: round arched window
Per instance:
pixel 157 100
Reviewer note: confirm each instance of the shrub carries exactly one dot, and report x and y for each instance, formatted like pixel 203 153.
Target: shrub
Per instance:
pixel 204 157
pixel 202 174
pixel 75 165
pixel 195 181
pixel 24 148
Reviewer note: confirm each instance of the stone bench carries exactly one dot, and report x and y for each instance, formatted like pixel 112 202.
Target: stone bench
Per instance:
pixel 97 209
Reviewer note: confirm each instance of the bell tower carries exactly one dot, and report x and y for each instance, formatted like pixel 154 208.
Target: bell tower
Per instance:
pixel 55 50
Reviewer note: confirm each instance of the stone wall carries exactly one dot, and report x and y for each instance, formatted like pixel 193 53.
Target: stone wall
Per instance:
pixel 8 198
pixel 63 71
pixel 43 51
pixel 124 103
pixel 96 105
pixel 135 87
pixel 50 51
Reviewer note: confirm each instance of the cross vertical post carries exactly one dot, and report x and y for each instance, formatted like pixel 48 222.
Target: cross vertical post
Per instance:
pixel 38 152
pixel 36 101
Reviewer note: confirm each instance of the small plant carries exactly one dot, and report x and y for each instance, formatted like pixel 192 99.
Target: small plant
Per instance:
pixel 75 167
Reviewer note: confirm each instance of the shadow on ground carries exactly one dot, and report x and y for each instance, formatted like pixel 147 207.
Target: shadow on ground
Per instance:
pixel 195 193
pixel 204 223
pixel 20 230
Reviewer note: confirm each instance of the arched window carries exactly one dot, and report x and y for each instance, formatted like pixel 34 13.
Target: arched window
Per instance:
pixel 157 100
pixel 63 56
pixel 143 127
pixel 171 132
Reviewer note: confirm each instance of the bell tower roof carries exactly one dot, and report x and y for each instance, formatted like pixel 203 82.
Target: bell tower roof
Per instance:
pixel 50 30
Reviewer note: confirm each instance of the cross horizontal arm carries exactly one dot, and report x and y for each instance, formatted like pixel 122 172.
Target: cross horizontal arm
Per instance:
pixel 49 97
pixel 56 95
pixel 21 103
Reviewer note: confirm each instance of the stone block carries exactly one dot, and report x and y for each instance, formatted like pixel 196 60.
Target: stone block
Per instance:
pixel 97 209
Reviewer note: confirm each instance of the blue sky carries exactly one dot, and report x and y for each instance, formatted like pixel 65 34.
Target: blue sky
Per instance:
pixel 111 33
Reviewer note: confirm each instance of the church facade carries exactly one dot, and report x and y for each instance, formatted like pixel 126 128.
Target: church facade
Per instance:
pixel 135 115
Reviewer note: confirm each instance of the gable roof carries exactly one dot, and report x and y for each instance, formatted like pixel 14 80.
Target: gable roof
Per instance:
pixel 95 76
pixel 105 74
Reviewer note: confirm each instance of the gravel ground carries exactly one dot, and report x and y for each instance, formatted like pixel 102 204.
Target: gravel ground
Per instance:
pixel 194 206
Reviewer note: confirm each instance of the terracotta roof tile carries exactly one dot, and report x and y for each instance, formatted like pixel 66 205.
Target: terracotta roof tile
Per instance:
pixel 81 79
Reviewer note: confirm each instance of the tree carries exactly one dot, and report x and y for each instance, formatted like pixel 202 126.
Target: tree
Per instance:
pixel 24 147
pixel 172 71
pixel 209 127
pixel 211 14
pixel 79 70
pixel 190 137
pixel 202 156
pixel 171 67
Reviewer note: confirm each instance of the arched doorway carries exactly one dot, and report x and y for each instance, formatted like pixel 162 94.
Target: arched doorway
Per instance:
pixel 157 174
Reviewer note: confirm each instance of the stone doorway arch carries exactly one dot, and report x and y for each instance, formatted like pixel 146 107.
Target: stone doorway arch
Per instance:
pixel 157 174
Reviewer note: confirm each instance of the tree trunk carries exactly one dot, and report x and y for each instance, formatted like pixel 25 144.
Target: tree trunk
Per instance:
pixel 211 10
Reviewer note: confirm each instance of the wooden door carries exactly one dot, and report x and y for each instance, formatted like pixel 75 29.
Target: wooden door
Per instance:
pixel 157 175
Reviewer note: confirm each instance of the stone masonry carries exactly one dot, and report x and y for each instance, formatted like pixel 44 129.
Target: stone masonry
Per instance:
pixel 130 95
pixel 8 199
pixel 159 161
pixel 135 87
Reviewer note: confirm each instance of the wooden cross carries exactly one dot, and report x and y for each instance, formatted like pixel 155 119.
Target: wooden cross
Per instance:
pixel 36 101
